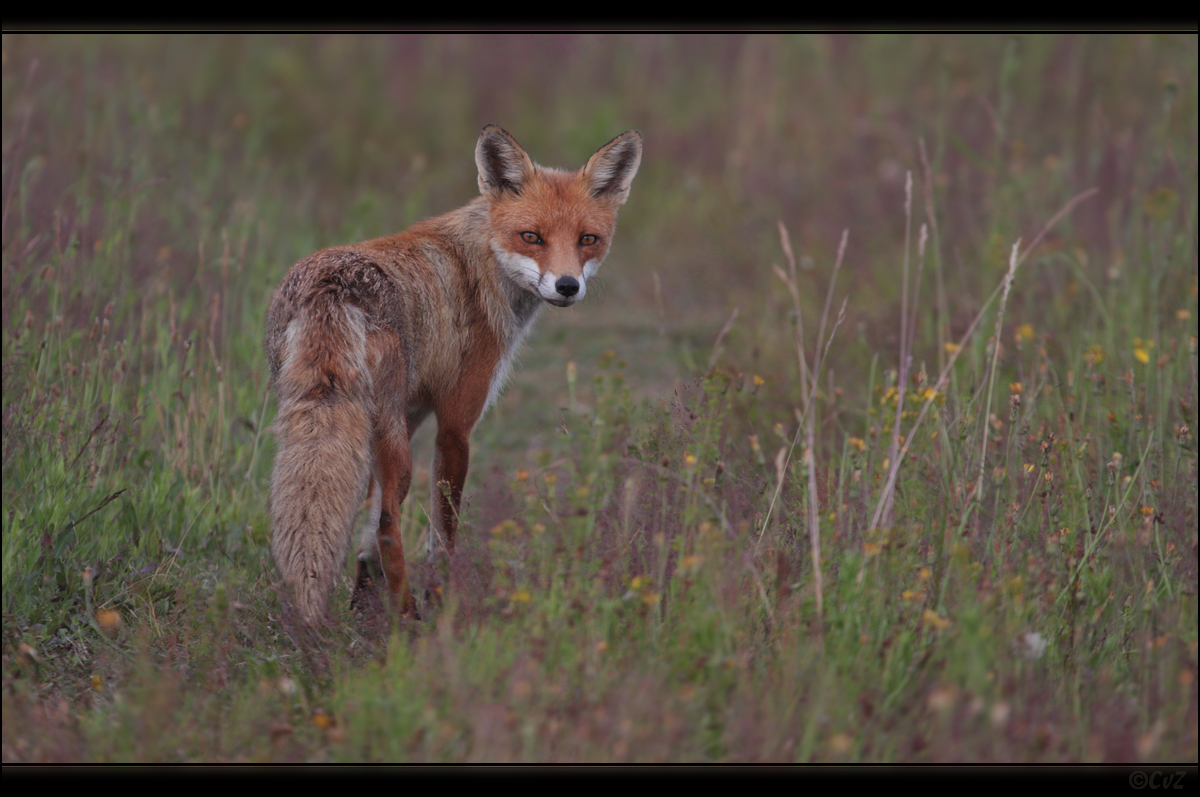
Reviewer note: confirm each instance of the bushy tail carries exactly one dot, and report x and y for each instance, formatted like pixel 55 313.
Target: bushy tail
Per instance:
pixel 323 432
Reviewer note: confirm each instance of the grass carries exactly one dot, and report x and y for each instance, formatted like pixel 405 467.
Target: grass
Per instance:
pixel 877 444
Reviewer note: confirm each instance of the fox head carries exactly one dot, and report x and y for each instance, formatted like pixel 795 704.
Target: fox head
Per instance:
pixel 551 229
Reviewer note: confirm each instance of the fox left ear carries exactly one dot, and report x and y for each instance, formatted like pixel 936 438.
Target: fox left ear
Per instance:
pixel 611 169
pixel 502 163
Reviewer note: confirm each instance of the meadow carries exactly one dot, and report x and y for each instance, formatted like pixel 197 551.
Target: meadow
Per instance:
pixel 876 443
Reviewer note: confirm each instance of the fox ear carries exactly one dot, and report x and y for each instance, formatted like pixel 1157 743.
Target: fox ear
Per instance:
pixel 503 164
pixel 611 169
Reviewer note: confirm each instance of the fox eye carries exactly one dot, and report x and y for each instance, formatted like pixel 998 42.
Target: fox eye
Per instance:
pixel 587 240
pixel 531 237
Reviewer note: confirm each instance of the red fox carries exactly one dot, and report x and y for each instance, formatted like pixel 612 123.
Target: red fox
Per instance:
pixel 365 341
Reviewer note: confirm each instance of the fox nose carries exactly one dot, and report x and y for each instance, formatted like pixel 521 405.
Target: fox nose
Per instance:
pixel 567 286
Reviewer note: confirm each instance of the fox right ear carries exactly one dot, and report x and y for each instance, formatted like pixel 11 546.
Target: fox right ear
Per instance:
pixel 503 164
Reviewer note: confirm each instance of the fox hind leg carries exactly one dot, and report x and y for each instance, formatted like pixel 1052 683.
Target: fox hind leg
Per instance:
pixel 393 463
pixel 381 551
pixel 368 552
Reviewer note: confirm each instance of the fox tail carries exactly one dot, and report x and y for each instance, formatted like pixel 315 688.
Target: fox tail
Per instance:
pixel 323 431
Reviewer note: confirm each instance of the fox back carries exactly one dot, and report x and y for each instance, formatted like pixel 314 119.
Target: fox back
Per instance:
pixel 366 341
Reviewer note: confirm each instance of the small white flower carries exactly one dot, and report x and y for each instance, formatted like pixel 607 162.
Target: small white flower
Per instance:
pixel 1033 645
